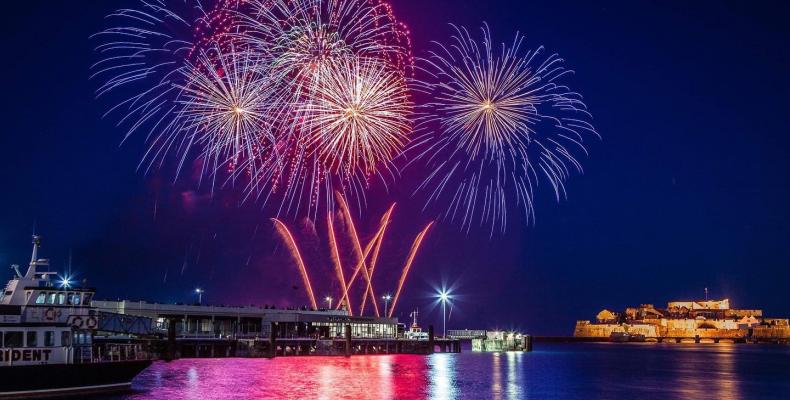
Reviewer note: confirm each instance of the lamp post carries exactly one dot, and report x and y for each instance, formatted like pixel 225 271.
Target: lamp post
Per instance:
pixel 443 297
pixel 386 299
pixel 328 300
pixel 199 292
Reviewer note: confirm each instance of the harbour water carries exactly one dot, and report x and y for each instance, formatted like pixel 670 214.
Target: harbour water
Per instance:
pixel 552 371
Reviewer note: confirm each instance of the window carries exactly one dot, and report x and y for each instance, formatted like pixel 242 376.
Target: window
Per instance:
pixel 87 299
pixel 51 298
pixel 61 298
pixel 41 298
pixel 65 338
pixel 32 339
pixel 49 338
pixel 73 299
pixel 13 339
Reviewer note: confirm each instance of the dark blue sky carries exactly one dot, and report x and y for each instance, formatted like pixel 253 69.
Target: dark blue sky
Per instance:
pixel 687 189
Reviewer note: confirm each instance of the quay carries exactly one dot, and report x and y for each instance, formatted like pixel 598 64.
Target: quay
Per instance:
pixel 182 331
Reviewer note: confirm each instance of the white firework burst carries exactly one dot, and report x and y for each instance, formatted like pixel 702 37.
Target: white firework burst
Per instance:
pixel 496 121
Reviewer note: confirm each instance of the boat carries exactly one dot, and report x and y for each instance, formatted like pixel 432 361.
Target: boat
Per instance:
pixel 624 337
pixel 46 339
pixel 415 332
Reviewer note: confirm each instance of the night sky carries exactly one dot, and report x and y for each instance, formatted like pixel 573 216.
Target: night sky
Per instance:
pixel 687 189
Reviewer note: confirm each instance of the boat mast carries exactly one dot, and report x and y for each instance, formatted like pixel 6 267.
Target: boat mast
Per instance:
pixel 34 261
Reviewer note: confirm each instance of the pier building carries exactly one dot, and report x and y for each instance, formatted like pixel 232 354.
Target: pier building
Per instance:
pixel 221 322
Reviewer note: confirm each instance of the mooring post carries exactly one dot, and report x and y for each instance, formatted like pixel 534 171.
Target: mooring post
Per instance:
pixel 273 340
pixel 171 339
pixel 527 342
pixel 430 339
pixel 348 340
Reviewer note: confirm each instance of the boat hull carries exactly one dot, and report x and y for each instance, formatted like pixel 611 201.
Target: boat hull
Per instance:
pixel 56 380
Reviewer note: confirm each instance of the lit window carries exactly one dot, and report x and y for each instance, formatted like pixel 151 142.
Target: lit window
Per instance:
pixel 41 298
pixel 61 298
pixel 51 298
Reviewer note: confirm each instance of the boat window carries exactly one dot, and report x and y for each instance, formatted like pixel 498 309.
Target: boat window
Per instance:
pixel 68 298
pixel 1 339
pixel 32 339
pixel 51 298
pixel 65 338
pixel 13 339
pixel 87 298
pixel 61 298
pixel 41 298
pixel 76 299
pixel 49 338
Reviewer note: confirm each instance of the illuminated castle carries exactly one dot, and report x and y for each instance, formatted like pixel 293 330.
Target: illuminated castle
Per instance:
pixel 707 319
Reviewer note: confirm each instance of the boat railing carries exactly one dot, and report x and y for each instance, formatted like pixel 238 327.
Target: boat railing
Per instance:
pixel 117 352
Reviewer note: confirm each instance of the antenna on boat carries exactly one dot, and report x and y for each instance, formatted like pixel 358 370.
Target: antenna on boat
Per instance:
pixel 36 245
pixel 34 260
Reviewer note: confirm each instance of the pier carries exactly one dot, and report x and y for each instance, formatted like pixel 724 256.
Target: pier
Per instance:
pixel 187 331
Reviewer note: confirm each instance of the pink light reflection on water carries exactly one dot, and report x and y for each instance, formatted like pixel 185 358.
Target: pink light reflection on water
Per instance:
pixel 359 377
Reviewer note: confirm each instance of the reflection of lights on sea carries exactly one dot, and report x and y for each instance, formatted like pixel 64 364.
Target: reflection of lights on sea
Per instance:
pixel 496 377
pixel 514 390
pixel 385 377
pixel 442 374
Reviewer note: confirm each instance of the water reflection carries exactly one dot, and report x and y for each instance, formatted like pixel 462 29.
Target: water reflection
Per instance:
pixel 707 371
pixel 496 377
pixel 588 371
pixel 513 376
pixel 442 376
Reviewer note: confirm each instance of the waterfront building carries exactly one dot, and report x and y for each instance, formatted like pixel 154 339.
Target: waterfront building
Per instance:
pixel 221 322
pixel 700 320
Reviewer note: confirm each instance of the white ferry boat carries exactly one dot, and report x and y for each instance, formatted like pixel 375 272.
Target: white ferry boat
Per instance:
pixel 46 339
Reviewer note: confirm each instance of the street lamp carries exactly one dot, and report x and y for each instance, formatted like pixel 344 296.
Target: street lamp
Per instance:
pixel 328 300
pixel 199 292
pixel 443 297
pixel 386 299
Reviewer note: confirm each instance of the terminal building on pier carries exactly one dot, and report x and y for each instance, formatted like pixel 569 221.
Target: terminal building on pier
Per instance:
pixel 220 322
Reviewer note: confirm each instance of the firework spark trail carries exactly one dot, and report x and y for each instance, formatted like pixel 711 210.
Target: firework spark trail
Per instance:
pixel 385 220
pixel 364 256
pixel 358 250
pixel 496 121
pixel 289 240
pixel 413 252
pixel 336 262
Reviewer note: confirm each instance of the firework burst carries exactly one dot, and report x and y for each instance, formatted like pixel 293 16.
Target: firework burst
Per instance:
pixel 224 107
pixel 314 47
pixel 496 121
pixel 359 116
